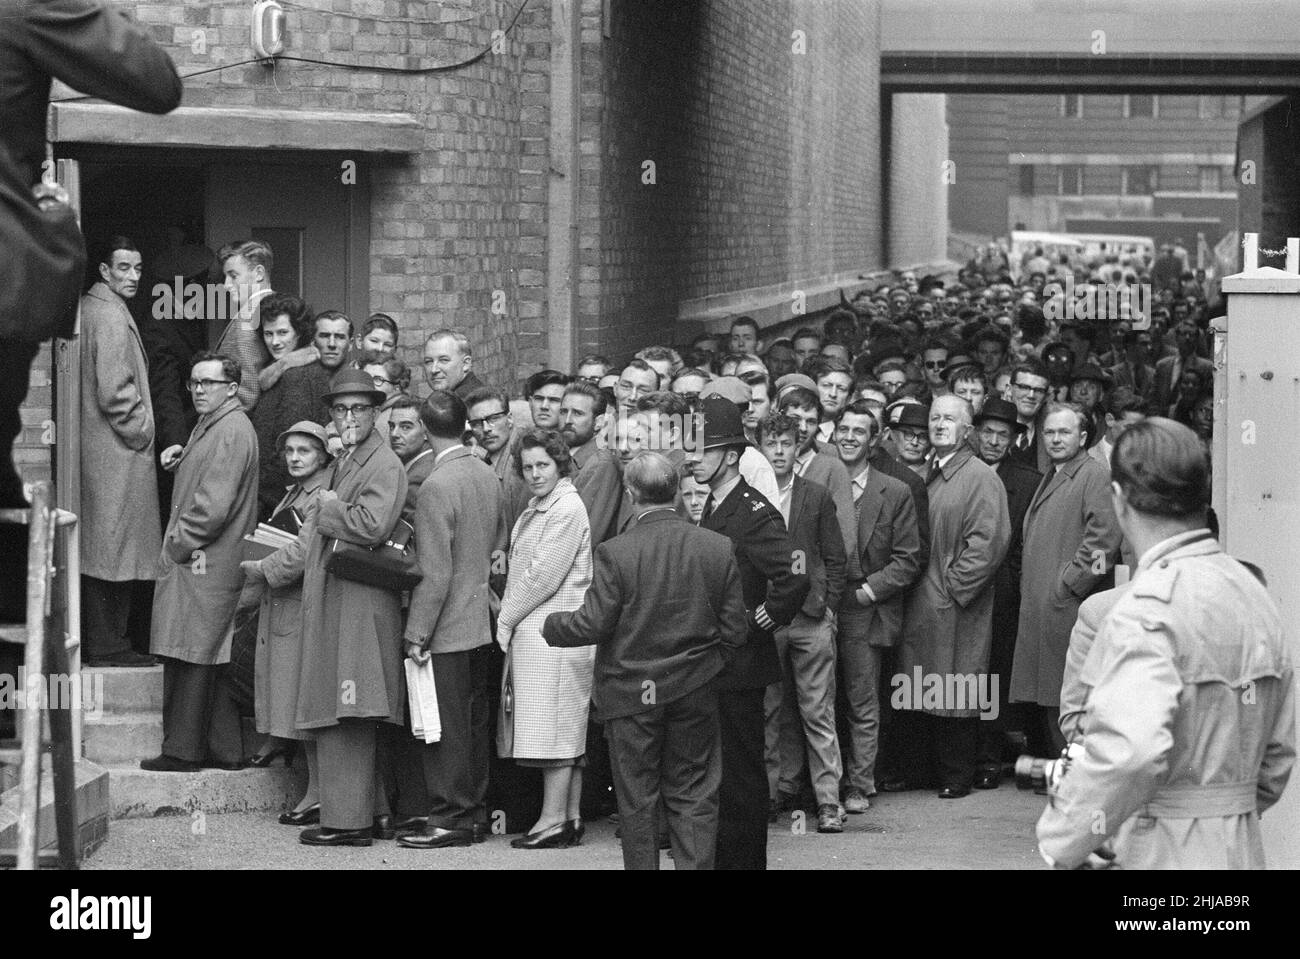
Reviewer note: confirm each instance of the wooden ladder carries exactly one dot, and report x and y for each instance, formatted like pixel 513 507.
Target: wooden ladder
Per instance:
pixel 46 657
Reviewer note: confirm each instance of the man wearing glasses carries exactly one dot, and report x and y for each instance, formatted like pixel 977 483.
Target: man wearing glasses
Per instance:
pixel 591 368
pixel 351 678
pixel 909 432
pixel 934 359
pixel 214 505
pixel 1029 388
pixel 638 379
pixel 495 431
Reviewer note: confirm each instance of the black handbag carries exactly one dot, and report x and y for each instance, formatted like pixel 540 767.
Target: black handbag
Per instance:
pixel 390 565
pixel 44 259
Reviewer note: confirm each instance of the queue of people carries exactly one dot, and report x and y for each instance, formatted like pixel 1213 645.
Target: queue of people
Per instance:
pixel 722 585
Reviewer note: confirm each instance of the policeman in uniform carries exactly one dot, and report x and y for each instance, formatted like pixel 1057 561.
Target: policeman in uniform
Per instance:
pixel 774 587
pixel 1188 731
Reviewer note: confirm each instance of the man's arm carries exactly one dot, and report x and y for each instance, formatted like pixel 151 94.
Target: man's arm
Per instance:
pixel 119 397
pixel 1129 738
pixel 205 516
pixel 601 488
pixel 595 621
pixel 904 566
pixel 986 533
pixel 732 619
pixel 434 532
pixel 370 517
pixel 1279 754
pixel 768 546
pixel 96 50
pixel 830 541
pixel 1100 536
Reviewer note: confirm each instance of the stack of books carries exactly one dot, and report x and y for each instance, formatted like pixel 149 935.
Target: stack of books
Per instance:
pixel 265 540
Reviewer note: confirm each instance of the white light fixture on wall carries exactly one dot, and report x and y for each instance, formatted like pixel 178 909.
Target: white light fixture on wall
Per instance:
pixel 268 29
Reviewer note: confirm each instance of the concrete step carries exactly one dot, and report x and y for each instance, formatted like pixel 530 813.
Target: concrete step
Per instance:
pixel 138 794
pixel 124 738
pixel 122 689
pixel 92 809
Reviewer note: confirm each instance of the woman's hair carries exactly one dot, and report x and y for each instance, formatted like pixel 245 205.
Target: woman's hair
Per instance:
pixel 550 441
pixel 299 314
pixel 1161 467
pixel 395 370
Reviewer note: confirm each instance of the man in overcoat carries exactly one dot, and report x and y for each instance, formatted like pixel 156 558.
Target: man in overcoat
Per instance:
pixel 199 577
pixel 351 678
pixel 1188 726
pixel 120 529
pixel 949 616
pixel 774 588
pixel 1071 541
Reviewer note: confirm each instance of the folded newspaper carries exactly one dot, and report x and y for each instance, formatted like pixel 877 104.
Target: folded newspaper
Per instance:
pixel 422 696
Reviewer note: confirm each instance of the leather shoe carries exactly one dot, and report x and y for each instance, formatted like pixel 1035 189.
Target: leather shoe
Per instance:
pixel 405 825
pixel 321 836
pixel 308 817
pixel 856 802
pixel 559 836
pixel 383 828
pixel 987 781
pixel 437 838
pixel 828 818
pixel 232 765
pixel 950 792
pixel 169 764
pixel 128 658
pixel 480 831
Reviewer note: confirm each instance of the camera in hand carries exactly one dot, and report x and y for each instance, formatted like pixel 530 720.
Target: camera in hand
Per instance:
pixel 1041 775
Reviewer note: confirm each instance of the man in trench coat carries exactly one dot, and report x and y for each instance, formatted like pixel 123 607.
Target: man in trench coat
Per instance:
pixel 1070 544
pixel 120 529
pixel 948 624
pixel 351 678
pixel 199 578
pixel 1188 692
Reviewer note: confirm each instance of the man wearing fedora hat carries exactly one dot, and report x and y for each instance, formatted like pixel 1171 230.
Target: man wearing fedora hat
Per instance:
pixel 773 592
pixel 996 428
pixel 909 432
pixel 351 677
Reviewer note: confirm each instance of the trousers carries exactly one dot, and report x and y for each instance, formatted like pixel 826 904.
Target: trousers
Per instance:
pixel 800 711
pixel 456 768
pixel 860 676
pixel 670 755
pixel 742 796
pixel 198 723
pixel 345 760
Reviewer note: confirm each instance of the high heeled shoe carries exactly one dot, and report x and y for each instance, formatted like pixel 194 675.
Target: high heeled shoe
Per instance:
pixel 306 817
pixel 559 836
pixel 579 830
pixel 264 760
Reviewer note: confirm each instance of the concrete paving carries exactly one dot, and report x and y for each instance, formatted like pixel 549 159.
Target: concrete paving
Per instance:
pixel 915 830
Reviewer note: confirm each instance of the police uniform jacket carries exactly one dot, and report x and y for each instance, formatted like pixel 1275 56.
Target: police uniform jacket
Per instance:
pixel 764 555
pixel 1189 724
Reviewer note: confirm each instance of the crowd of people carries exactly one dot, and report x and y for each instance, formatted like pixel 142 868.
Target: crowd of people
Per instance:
pixel 726 581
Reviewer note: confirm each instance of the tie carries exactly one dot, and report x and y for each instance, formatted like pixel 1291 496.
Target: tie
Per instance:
pixel 708 508
pixel 933 472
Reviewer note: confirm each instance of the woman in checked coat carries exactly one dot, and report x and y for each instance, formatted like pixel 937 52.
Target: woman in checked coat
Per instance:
pixel 546 691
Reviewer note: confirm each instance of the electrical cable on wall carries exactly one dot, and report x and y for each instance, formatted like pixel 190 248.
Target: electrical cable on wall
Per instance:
pixel 362 68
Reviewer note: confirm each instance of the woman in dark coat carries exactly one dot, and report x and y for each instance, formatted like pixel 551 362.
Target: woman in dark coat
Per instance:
pixel 279 629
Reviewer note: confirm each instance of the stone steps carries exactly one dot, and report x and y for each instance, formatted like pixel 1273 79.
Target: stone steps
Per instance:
pixel 137 794
pixel 92 787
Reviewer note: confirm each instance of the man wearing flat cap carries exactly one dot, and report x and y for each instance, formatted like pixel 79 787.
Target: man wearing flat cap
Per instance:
pixel 773 593
pixel 351 677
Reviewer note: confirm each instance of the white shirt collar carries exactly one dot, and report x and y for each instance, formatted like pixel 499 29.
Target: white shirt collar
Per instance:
pixel 438 459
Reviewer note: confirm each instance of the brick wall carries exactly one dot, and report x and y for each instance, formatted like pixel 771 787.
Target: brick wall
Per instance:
pixel 766 160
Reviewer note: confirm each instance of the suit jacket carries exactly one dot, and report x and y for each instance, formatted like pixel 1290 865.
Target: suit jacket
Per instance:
pixel 468 385
pixel 599 481
pixel 1141 380
pixel 884 463
pixel 664 603
pixel 417 469
pixel 765 557
pixel 1035 454
pixel 515 492
pixel 1071 541
pixel 1162 394
pixel 829 470
pixel 90 46
pixel 1021 482
pixel 459 524
pixel 889 542
pixel 815 534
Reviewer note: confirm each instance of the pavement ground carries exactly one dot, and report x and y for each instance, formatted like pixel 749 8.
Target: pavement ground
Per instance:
pixel 913 830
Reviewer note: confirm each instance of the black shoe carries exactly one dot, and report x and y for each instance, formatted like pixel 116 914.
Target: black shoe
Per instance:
pixel 322 836
pixel 169 764
pixel 579 830
pixel 481 830
pixel 952 792
pixel 232 765
pixel 123 659
pixel 383 828
pixel 308 817
pixel 436 837
pixel 988 780
pixel 405 825
pixel 559 836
